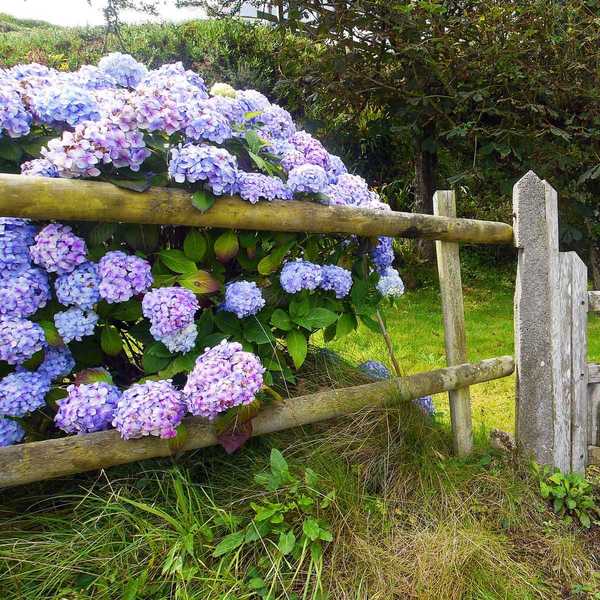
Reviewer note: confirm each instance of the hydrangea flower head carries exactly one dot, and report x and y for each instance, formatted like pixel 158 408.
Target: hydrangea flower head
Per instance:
pixel 224 376
pixel 307 179
pixel 383 254
pixel 252 101
pixel 222 89
pixel 390 284
pixel 336 168
pixel 182 340
pixel 150 408
pixel 16 236
pixel 336 279
pixel 39 167
pixel 58 362
pixel 11 432
pixel 349 190
pixel 123 276
pixel 254 186
pixel 123 69
pixel 57 105
pixel 425 405
pixel 375 369
pixel 23 293
pixel 57 249
pixel 169 309
pixel 79 287
pixel 22 393
pixel 207 124
pixel 88 407
pixel 276 123
pixel 243 298
pixel 15 120
pixel 300 275
pixel 75 324
pixel 20 339
pixel 312 151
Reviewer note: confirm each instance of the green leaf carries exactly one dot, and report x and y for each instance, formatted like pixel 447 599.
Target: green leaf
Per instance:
pixel 228 323
pixel 228 544
pixel 200 282
pixel 287 541
pixel 204 324
pixel 33 146
pixel 279 465
pixel 254 141
pixel 311 529
pixel 585 520
pixel 226 246
pixel 101 233
pixel 10 150
pixel 281 320
pixel 156 357
pixel 346 324
pixel 317 318
pixel 203 200
pixel 51 333
pixel 134 185
pixel 176 443
pixel 110 340
pixel 142 237
pixel 297 347
pixel 257 332
pixel 131 310
pixel 195 245
pixel 271 263
pixel 177 261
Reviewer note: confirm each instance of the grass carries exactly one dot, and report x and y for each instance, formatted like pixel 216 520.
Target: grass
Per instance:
pixel 407 521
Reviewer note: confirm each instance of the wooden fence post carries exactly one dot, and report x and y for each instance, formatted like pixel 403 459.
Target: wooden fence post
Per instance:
pixel 537 326
pixel 448 260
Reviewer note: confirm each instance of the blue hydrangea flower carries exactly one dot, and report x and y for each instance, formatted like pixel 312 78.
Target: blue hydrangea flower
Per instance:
pixel 11 432
pixel 31 70
pixel 181 341
pixel 23 293
pixel 276 123
pixel 57 249
pixel 425 405
pixel 252 101
pixel 215 166
pixel 80 287
pixel 123 69
pixel 243 298
pixel 375 369
pixel 39 167
pixel 336 168
pixel 300 275
pixel 65 104
pixel 75 324
pixel 336 279
pixel 390 284
pixel 254 186
pixel 93 78
pixel 16 236
pixel 20 339
pixel 123 276
pixel 349 190
pixel 58 362
pixel 308 179
pixel 88 407
pixel 21 393
pixel 15 120
pixel 207 124
pixel 383 254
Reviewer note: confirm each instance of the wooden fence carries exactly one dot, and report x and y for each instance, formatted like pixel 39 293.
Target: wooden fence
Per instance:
pixel 547 315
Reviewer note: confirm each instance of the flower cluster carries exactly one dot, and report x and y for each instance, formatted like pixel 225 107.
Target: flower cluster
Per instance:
pixel 390 284
pixel 336 279
pixel 64 104
pixel 87 407
pixel 80 287
pixel 39 167
pixel 256 186
pixel 22 393
pixel 123 276
pixel 123 69
pixel 16 236
pixel 303 275
pixel 75 324
pixel 243 298
pixel 11 432
pixel 23 293
pixel 57 249
pixel 382 254
pixel 375 369
pixel 151 408
pixel 307 179
pixel 223 377
pixel 58 362
pixel 20 339
pixel 14 118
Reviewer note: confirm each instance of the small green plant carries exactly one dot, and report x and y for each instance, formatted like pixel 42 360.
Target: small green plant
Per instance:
pixel 571 495
pixel 289 529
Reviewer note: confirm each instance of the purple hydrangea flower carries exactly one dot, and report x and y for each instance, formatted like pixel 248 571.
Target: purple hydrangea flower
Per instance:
pixel 375 369
pixel 336 279
pixel 88 407
pixel 30 70
pixel 59 104
pixel 151 408
pixel 254 186
pixel 16 236
pixel 57 249
pixel 79 287
pixel 300 275
pixel 336 168
pixel 182 340
pixel 252 101
pixel 390 284
pixel 425 405
pixel 23 293
pixel 123 69
pixel 383 254
pixel 174 75
pixel 309 179
pixel 15 120
pixel 58 362
pixel 350 190
pixel 20 339
pixel 276 123
pixel 207 124
pixel 11 432
pixel 157 109
pixel 123 276
pixel 21 393
pixel 39 167
pixel 75 324
pixel 312 151
pixel 223 377
pixel 232 109
pixel 243 298
pixel 215 166
pixel 169 309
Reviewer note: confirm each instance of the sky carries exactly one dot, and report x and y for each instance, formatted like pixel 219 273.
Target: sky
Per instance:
pixel 79 12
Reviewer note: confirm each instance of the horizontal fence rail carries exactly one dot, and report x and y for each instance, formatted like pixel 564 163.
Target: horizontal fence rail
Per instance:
pixel 75 200
pixel 36 461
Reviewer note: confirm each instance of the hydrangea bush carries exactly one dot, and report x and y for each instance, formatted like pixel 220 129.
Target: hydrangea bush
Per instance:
pixel 186 321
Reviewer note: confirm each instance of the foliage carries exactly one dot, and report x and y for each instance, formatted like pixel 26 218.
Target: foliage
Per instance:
pixel 570 495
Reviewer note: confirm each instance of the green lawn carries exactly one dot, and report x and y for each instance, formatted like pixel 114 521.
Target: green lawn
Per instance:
pixel 415 325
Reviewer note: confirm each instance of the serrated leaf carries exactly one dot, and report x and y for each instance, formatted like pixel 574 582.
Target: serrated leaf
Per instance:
pixel 226 246
pixel 279 465
pixel 131 310
pixel 228 323
pixel 195 245
pixel 281 320
pixel 311 529
pixel 156 357
pixel 110 340
pixel 272 262
pixel 203 200
pixel 177 261
pixel 297 347
pixel 317 318
pixel 98 375
pixel 346 324
pixel 257 332
pixel 200 282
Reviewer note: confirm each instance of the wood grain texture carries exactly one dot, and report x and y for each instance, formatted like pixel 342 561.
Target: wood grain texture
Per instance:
pixel 594 455
pixel 448 262
pixel 25 463
pixel 594 301
pixel 36 198
pixel 594 414
pixel 593 373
